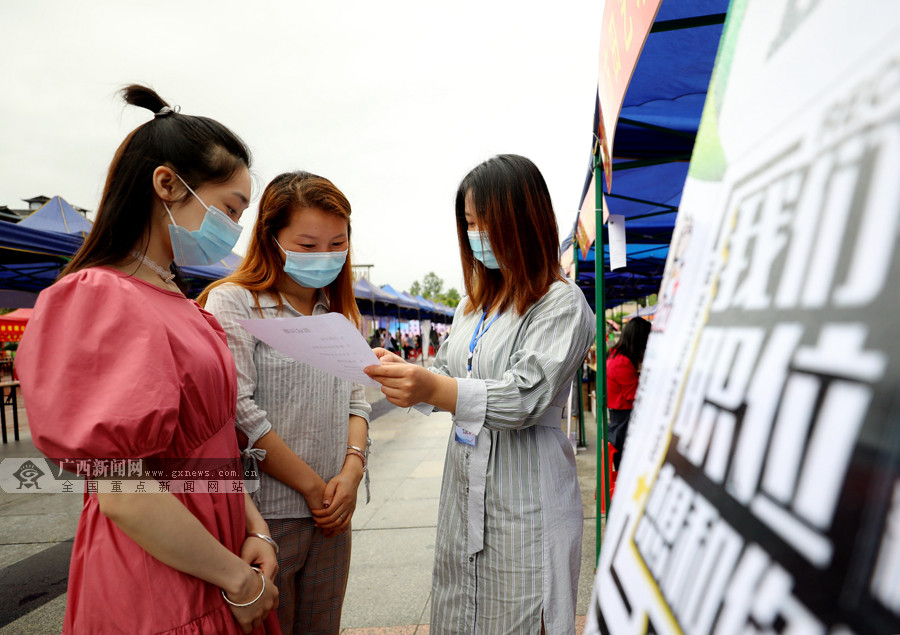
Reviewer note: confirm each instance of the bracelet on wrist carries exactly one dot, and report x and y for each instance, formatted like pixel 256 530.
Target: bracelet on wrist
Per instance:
pixel 268 539
pixel 261 591
pixel 362 457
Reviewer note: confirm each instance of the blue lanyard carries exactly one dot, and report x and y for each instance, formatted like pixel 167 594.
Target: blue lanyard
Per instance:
pixel 478 334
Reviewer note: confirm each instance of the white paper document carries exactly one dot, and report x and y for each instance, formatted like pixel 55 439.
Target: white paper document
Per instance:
pixel 328 342
pixel 617 244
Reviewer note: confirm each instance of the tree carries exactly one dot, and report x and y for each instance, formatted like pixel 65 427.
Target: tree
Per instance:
pixel 430 288
pixel 431 285
pixel 450 298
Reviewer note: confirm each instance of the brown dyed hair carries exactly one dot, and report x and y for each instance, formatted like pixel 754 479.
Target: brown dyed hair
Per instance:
pixel 263 267
pixel 512 203
pixel 200 150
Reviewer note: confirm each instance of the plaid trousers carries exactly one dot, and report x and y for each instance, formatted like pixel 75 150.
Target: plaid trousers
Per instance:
pixel 312 576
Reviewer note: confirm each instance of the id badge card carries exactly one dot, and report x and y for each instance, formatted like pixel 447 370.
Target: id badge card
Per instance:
pixel 465 437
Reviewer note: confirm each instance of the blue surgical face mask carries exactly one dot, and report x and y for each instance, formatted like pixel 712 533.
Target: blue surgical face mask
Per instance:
pixel 313 269
pixel 481 246
pixel 215 239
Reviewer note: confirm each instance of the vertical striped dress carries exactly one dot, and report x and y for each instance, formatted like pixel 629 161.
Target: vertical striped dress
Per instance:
pixel 508 548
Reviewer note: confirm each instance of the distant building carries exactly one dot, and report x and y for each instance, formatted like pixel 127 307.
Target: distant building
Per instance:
pixel 13 215
pixel 36 202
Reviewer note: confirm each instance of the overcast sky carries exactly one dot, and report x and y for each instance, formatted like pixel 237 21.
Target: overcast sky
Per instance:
pixel 393 101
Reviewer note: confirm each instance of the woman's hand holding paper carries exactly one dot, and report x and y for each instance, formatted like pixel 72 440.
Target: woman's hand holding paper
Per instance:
pixel 405 384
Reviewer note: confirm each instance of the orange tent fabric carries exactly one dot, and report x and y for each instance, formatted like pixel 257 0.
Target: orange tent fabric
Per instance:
pixel 12 325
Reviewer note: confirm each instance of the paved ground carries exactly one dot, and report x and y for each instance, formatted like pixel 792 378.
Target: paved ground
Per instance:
pixel 393 537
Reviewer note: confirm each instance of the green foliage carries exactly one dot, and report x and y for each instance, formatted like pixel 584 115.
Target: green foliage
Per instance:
pixel 431 286
pixel 450 298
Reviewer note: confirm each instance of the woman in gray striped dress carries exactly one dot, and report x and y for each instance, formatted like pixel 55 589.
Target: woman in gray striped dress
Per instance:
pixel 508 547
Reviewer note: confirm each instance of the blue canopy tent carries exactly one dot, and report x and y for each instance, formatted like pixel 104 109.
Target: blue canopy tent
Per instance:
pixel 440 312
pixel 653 143
pixel 35 250
pixel 400 299
pixel 33 254
pixel 448 311
pixel 31 259
pixel 57 215
pixel 371 300
pixel 199 277
pixel 429 310
pixel 387 302
pixel 420 308
pixel 426 305
pixel 365 290
pixel 406 307
pixel 640 279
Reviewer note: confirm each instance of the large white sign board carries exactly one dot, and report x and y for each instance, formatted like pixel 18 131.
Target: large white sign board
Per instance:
pixel 760 491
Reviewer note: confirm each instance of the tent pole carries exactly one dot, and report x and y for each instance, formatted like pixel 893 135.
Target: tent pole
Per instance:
pixel 600 302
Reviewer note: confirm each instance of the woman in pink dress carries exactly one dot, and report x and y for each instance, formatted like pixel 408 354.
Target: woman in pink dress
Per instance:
pixel 118 365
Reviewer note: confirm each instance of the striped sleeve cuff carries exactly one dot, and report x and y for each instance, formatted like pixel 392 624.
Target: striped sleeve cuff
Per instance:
pixel 256 434
pixel 471 404
pixel 424 408
pixel 360 413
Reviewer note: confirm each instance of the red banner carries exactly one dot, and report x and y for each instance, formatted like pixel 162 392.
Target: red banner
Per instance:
pixel 12 325
pixel 625 26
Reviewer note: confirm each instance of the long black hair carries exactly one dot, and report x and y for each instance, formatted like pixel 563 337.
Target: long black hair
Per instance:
pixel 200 150
pixel 633 342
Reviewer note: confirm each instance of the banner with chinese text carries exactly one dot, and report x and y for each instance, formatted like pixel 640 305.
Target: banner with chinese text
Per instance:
pixel 760 487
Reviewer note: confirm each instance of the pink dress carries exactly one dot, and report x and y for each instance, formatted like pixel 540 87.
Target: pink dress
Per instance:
pixel 113 367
